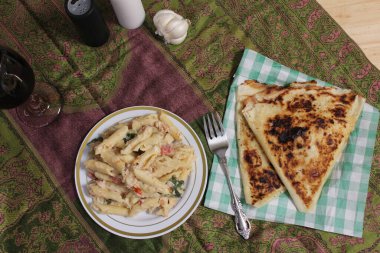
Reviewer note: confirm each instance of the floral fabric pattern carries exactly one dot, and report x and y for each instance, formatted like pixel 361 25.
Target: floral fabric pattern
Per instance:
pixel 39 211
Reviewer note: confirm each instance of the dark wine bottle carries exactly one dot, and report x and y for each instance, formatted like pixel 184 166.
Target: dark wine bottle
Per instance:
pixel 16 79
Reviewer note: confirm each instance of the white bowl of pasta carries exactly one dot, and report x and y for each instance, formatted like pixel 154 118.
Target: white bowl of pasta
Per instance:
pixel 141 172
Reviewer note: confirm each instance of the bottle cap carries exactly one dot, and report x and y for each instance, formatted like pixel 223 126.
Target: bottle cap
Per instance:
pixel 78 7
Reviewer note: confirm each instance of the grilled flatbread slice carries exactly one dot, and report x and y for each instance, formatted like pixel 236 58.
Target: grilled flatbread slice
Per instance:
pixel 303 130
pixel 260 181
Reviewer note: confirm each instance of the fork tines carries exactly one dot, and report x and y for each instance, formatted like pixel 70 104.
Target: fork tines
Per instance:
pixel 212 125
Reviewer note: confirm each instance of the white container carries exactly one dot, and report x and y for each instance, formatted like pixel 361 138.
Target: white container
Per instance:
pixel 129 13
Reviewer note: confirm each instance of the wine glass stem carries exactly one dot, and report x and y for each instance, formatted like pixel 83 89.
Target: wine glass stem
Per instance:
pixel 36 106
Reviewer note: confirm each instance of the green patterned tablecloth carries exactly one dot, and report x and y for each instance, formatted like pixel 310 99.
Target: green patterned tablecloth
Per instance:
pixel 39 208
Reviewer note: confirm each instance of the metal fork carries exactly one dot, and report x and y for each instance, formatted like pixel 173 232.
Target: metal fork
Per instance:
pixel 218 142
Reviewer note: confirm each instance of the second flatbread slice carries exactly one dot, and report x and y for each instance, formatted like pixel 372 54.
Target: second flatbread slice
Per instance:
pixel 259 179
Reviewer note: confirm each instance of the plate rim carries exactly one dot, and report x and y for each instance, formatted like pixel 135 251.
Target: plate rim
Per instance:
pixel 168 228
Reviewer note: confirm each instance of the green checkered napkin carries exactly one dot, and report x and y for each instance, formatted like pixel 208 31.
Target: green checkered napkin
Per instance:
pixel 340 208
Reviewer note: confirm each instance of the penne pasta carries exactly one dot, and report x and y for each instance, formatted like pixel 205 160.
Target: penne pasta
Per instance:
pixel 147 178
pixel 111 186
pixel 102 176
pixel 166 204
pixel 143 135
pixel 111 141
pixel 140 165
pixel 173 130
pixel 110 209
pixel 128 158
pixel 97 191
pixel 168 139
pixel 147 120
pixel 164 165
pixel 175 174
pixel 144 204
pixel 146 159
pixel 101 167
pixel 184 174
pixel 114 160
pixel 154 140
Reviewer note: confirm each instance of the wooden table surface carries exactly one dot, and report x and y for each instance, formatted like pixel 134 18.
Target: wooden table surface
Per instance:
pixel 361 21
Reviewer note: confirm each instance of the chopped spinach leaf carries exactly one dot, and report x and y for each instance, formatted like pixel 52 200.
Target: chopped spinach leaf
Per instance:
pixel 177 186
pixel 129 136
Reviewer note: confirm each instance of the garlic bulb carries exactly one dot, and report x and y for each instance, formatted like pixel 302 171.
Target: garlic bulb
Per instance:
pixel 171 25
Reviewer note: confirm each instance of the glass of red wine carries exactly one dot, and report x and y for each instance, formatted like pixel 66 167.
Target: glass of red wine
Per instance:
pixel 37 103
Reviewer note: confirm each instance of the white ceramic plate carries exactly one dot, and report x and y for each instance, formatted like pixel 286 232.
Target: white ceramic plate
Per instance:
pixel 144 225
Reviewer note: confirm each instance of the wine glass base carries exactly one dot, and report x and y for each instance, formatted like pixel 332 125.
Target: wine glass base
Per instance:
pixel 42 107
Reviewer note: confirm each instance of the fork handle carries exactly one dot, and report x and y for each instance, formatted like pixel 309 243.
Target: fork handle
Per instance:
pixel 242 224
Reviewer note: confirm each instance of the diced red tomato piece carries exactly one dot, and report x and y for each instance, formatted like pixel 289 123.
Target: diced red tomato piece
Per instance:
pixel 139 202
pixel 137 190
pixel 167 149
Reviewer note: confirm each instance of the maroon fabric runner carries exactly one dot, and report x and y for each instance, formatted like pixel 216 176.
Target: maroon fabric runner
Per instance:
pixel 160 84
